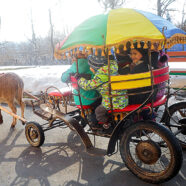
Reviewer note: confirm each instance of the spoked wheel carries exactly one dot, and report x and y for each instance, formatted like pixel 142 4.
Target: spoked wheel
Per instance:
pixel 151 152
pixel 34 134
pixel 176 121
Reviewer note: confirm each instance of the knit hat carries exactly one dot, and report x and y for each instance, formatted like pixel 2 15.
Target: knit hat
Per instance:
pixel 96 62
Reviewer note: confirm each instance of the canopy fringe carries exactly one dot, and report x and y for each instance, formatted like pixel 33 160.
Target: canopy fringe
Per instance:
pixel 148 43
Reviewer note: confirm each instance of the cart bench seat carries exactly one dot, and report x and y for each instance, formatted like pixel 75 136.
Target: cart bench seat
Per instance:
pixel 84 106
pixel 58 94
pixel 130 108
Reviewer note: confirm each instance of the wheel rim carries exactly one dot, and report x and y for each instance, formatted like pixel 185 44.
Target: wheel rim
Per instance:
pixel 149 152
pixel 178 118
pixel 33 134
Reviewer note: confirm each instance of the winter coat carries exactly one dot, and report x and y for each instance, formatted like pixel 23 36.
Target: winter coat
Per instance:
pixel 83 68
pixel 100 83
pixel 140 98
pixel 162 62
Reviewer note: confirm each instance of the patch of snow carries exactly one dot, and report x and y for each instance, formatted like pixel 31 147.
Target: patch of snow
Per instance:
pixel 39 78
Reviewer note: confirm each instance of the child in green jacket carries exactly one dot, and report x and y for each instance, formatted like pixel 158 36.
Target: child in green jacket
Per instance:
pixel 87 97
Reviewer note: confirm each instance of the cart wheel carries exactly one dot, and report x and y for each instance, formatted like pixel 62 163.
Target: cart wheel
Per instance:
pixel 34 134
pixel 151 152
pixel 177 118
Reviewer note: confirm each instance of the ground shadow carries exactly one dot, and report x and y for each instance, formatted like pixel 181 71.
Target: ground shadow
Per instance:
pixel 5 147
pixel 41 163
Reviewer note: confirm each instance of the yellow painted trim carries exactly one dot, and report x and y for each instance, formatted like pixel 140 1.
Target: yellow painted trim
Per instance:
pixel 131 84
pixel 130 77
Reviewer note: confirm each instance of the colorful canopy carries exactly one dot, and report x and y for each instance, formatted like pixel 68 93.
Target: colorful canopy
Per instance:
pixel 120 26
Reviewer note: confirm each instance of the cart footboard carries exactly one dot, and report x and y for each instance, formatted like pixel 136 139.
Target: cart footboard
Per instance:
pixel 74 125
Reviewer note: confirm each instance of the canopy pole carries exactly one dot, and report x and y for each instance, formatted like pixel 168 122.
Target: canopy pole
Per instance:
pixel 152 78
pixel 82 109
pixel 109 84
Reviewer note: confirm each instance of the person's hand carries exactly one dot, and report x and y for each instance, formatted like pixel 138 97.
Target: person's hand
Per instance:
pixel 77 76
pixel 132 65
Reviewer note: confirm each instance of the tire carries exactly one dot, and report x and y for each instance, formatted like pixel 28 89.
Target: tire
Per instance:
pixel 34 134
pixel 147 153
pixel 178 116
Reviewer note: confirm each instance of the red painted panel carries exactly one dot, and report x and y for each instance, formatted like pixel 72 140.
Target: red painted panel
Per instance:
pixel 129 108
pixel 160 71
pixel 161 79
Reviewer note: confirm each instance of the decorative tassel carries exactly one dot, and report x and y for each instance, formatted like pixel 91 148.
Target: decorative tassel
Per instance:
pixel 69 54
pixel 132 46
pixel 166 45
pixel 116 50
pixel 145 45
pixel 96 52
pixel 64 56
pixel 90 51
pixel 72 52
pixel 75 51
pixel 124 47
pixel 182 40
pixel 152 46
pixel 102 52
pixel 160 46
pixel 138 45
pixel 83 52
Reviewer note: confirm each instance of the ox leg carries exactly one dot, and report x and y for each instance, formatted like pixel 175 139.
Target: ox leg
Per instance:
pixel 1 117
pixel 22 105
pixel 14 110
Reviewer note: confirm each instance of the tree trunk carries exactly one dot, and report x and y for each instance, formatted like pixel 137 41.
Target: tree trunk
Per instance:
pixel 51 34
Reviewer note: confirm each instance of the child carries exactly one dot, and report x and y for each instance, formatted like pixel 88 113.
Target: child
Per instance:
pixel 162 62
pixel 98 65
pixel 88 97
pixel 140 63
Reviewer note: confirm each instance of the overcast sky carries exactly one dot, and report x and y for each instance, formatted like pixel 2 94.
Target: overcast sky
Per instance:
pixel 15 15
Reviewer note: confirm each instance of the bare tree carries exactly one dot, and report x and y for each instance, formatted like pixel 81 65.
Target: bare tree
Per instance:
pixel 51 34
pixel 33 40
pixel 182 24
pixel 163 7
pixel 111 4
pixel 183 20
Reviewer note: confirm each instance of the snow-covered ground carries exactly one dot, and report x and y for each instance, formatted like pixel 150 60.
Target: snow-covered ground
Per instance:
pixel 38 78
